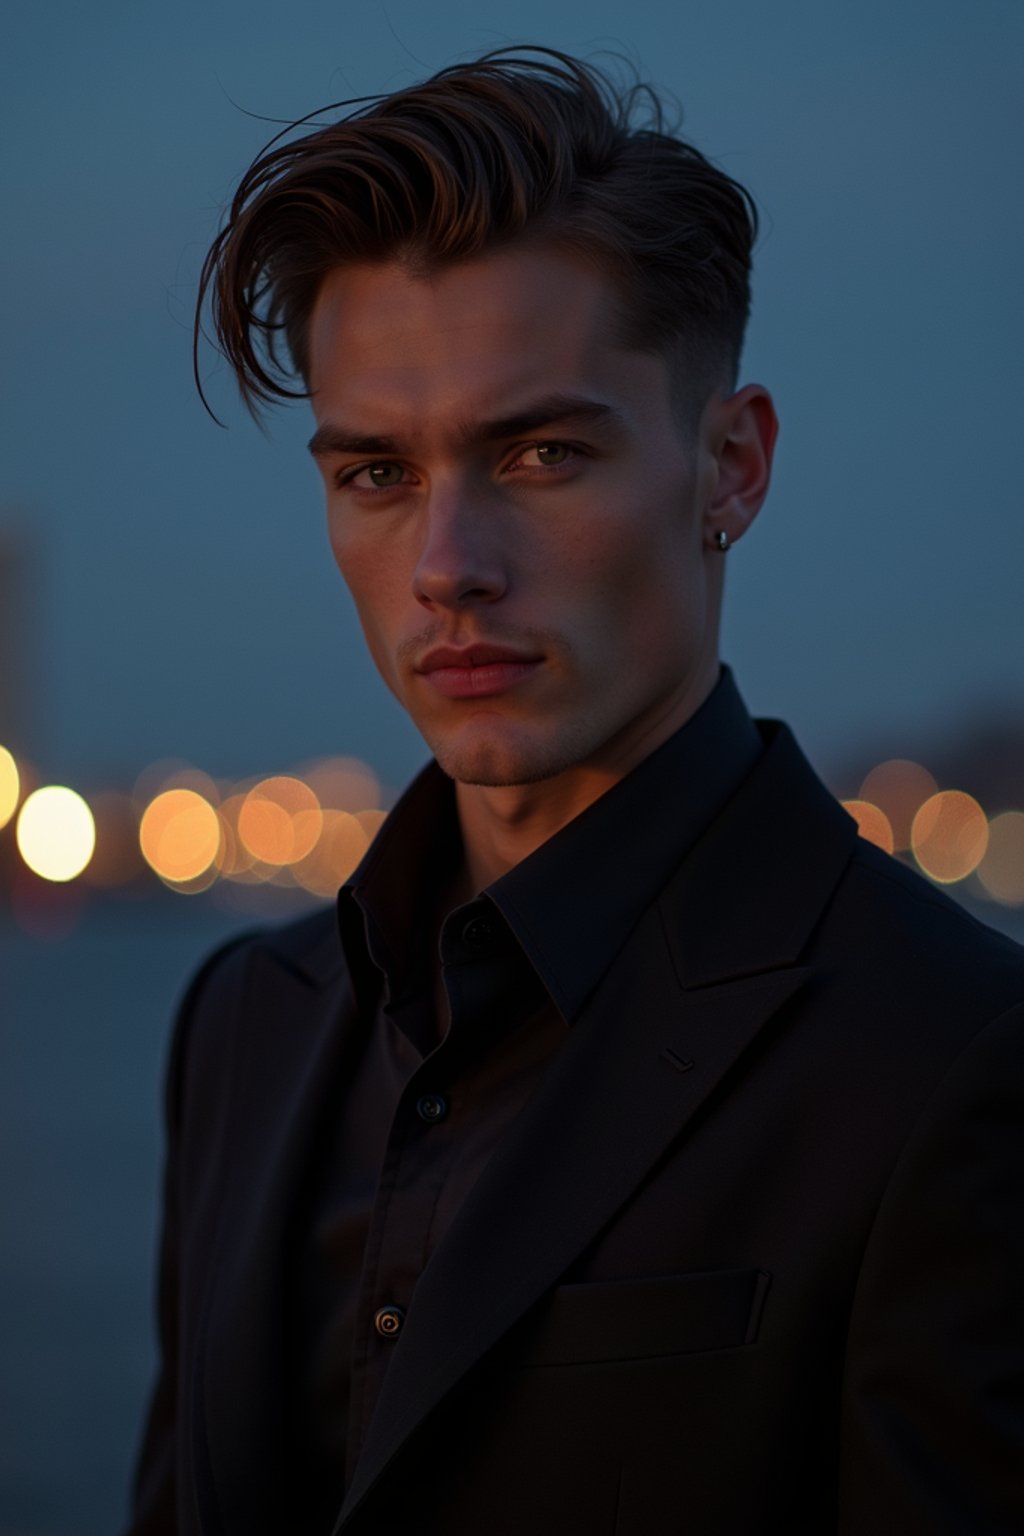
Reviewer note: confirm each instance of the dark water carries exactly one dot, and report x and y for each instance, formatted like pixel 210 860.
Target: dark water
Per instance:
pixel 83 1030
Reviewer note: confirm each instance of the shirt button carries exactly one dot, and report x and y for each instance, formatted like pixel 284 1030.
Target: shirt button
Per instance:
pixel 432 1107
pixel 388 1321
pixel 477 932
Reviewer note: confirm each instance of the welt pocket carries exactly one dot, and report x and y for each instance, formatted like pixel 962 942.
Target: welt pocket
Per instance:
pixel 641 1319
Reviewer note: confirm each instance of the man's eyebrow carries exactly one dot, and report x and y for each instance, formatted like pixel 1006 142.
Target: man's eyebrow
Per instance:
pixel 335 438
pixel 550 411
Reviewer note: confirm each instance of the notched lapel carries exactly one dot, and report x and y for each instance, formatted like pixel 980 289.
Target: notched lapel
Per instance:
pixel 749 895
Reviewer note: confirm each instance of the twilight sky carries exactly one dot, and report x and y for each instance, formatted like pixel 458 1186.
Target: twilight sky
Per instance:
pixel 181 596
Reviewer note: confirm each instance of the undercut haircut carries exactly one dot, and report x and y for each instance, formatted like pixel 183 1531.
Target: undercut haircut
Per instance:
pixel 521 145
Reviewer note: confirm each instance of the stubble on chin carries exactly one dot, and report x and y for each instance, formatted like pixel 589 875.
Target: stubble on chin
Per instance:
pixel 497 762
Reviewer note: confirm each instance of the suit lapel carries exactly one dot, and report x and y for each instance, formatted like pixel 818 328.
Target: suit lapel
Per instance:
pixel 699 978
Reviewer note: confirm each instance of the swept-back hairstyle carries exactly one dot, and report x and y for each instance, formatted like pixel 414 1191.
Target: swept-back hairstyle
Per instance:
pixel 526 144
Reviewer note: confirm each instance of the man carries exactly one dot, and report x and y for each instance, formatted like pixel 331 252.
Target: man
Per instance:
pixel 635 1150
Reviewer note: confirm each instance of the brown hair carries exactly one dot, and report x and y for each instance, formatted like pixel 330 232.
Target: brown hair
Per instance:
pixel 519 144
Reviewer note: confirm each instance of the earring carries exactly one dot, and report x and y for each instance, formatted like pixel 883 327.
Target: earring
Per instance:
pixel 722 540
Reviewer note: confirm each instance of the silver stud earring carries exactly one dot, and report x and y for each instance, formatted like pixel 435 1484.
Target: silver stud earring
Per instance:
pixel 722 540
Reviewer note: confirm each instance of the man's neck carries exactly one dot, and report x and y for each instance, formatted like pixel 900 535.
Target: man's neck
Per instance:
pixel 503 825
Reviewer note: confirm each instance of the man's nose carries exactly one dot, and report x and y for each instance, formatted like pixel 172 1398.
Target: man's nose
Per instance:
pixel 460 561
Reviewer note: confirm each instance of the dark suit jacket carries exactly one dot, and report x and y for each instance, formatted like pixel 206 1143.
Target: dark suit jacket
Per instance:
pixel 752 1258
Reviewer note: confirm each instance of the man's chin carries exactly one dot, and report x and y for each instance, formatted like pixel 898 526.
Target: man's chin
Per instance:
pixel 491 773
pixel 496 763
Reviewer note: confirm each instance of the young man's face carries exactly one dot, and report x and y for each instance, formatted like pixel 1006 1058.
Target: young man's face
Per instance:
pixel 521 519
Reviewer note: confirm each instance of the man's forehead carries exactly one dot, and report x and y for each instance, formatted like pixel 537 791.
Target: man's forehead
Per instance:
pixel 392 371
pixel 499 314
pixel 404 356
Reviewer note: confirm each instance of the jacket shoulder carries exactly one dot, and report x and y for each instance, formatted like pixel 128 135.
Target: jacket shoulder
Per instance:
pixel 912 938
pixel 309 945
pixel 202 1042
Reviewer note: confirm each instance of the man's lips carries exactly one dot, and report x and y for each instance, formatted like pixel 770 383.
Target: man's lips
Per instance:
pixel 479 655
pixel 476 671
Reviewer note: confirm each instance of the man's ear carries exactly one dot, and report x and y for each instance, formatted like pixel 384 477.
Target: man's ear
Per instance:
pixel 741 432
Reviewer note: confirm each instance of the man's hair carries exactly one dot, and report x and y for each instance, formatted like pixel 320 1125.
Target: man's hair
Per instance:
pixel 517 146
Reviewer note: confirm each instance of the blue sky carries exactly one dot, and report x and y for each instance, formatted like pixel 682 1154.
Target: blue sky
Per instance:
pixel 183 599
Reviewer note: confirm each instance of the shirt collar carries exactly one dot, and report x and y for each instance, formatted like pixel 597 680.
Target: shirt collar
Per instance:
pixel 573 902
pixel 381 906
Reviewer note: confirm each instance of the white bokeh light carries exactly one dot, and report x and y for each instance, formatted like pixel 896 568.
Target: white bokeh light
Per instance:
pixel 56 833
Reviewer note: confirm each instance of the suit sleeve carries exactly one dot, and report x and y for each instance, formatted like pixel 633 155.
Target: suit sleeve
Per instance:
pixel 932 1437
pixel 154 1510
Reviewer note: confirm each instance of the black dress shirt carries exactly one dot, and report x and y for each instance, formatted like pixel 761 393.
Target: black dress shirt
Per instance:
pixel 419 1115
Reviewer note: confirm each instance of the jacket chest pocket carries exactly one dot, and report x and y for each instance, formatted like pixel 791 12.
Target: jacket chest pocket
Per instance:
pixel 650 1318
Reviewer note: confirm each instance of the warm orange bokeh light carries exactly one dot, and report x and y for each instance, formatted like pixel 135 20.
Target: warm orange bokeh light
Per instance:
pixel 371 822
pixel 342 844
pixel 1001 871
pixel 10 786
pixel 180 836
pixel 280 820
pixel 899 788
pixel 235 861
pixel 872 823
pixel 234 857
pixel 949 836
pixel 265 829
pixel 56 833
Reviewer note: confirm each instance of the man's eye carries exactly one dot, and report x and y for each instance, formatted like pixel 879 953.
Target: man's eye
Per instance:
pixel 375 477
pixel 548 455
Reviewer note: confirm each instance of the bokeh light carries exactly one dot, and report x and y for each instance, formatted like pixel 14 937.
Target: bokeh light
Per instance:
pixel 872 823
pixel 898 788
pixel 1001 871
pixel 280 820
pixel 180 836
pixel 10 786
pixel 949 836
pixel 371 822
pixel 236 862
pixel 56 833
pixel 341 845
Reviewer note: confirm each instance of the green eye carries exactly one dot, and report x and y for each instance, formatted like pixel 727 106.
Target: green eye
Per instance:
pixel 551 453
pixel 384 477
